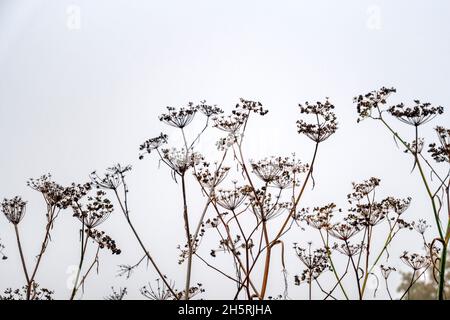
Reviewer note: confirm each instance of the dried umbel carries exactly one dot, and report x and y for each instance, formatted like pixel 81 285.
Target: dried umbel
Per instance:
pixel 278 171
pixel 361 190
pixel 271 208
pixel 75 192
pixel 416 115
pixel 268 169
pixel 231 199
pixel 209 110
pixel 54 194
pixel 441 152
pixel 152 144
pixel 231 123
pixel 343 231
pixel 117 295
pixel 181 117
pixel 95 212
pixel 316 262
pixel 14 209
pixel 210 179
pixel 21 294
pixel 160 292
pixel 251 106
pixel 415 260
pixel 112 179
pixel 321 216
pixel 367 214
pixel 347 249
pixel 415 147
pixel 324 124
pixel 420 226
pixel 180 160
pixel 386 271
pixel 396 205
pixel 103 240
pixel 376 99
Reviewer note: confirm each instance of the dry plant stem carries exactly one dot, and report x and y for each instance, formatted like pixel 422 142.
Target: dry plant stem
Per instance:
pixel 280 232
pixel 84 241
pixel 216 269
pixel 95 261
pixel 264 224
pixel 52 216
pixel 229 240
pixel 22 257
pixel 388 240
pixel 435 212
pixel 233 248
pixel 325 243
pixel 387 288
pixel 124 209
pixel 412 282
pixel 188 237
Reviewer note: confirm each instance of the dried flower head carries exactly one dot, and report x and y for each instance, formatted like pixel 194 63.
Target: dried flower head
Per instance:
pixel 348 249
pixel 231 199
pixel 415 260
pixel 361 190
pixel 231 123
pixel 112 179
pixel 270 208
pixel 251 106
pixel 21 294
pixel 415 147
pixel 117 295
pixel 316 262
pixel 321 216
pixel 398 206
pixel 210 179
pixel 103 240
pixel 367 214
pixel 416 115
pixel 75 192
pixel 441 153
pixel 180 160
pixel 160 292
pixel 95 212
pixel 278 171
pixel 54 194
pixel 365 104
pixel 209 110
pixel 152 144
pixel 420 226
pixel 14 209
pixel 343 231
pixel 324 125
pixel 179 118
pixel 386 271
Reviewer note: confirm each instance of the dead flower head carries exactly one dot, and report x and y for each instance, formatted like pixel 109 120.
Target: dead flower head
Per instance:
pixel 179 118
pixel 14 209
pixel 373 100
pixel 324 124
pixel 152 144
pixel 441 153
pixel 416 115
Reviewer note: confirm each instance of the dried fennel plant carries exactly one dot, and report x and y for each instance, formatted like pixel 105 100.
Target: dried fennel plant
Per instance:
pixel 434 173
pixel 270 188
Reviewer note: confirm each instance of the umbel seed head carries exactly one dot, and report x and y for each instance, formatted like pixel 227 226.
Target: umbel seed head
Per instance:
pixel 14 209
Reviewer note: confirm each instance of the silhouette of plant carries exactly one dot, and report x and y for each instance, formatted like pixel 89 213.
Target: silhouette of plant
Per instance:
pixel 373 105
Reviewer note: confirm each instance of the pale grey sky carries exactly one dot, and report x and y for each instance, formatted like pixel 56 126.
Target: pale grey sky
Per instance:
pixel 82 84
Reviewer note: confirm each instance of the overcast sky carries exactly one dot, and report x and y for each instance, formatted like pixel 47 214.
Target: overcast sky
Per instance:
pixel 82 84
